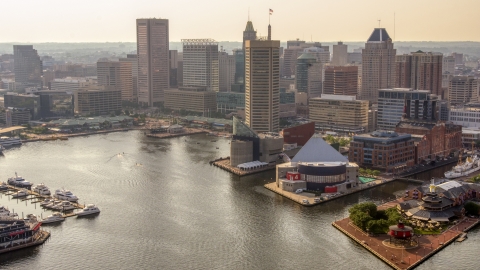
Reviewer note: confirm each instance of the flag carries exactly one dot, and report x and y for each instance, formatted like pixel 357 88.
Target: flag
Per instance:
pixel 270 11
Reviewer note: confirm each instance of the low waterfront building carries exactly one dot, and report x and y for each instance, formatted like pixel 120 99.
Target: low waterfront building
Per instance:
pixel 29 102
pixel 339 113
pixel 228 102
pixel 174 129
pixel 91 122
pixel 317 167
pixel 56 104
pixel 14 116
pixel 468 115
pixel 469 136
pixel 190 98
pixel 384 150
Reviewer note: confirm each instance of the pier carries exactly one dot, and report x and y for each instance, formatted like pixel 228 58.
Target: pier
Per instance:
pixel 39 238
pixel 404 258
pixel 224 163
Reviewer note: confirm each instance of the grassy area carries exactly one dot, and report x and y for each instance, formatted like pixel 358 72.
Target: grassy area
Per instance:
pixel 424 232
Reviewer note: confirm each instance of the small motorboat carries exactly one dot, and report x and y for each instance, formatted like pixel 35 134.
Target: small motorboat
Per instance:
pixel 65 195
pixel 46 202
pixel 55 217
pixel 20 194
pixel 42 189
pixel 64 206
pixel 3 186
pixel 4 212
pixel 52 203
pixel 90 209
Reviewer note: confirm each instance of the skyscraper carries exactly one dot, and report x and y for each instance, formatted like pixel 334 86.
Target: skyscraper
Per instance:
pixel 340 54
pixel 27 65
pixel 262 76
pixel 419 70
pixel 341 80
pixel 200 63
pixel 308 78
pixel 249 33
pixel 133 60
pixel 117 74
pixel 378 65
pixel 463 89
pixel 153 60
pixel 226 71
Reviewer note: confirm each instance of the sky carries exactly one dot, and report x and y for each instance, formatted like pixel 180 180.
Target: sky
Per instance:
pixel 224 20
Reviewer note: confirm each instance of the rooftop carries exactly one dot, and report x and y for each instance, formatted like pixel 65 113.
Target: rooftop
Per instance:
pixel 379 35
pixel 317 150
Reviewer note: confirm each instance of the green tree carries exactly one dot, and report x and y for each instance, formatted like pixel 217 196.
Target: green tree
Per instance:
pixel 366 207
pixel 472 208
pixel 375 172
pixel 361 219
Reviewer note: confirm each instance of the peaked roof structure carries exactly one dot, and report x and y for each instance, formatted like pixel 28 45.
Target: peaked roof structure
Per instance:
pixel 378 35
pixel 306 55
pixel 249 27
pixel 317 150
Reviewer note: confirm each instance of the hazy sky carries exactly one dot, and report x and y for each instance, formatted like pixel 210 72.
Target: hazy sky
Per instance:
pixel 222 20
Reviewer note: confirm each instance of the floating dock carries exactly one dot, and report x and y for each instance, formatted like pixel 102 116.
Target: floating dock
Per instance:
pixel 33 195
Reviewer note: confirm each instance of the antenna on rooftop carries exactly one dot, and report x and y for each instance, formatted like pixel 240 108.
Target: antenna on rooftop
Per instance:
pixel 248 13
pixel 379 23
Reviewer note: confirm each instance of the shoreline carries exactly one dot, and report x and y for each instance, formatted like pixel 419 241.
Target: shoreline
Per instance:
pixel 57 136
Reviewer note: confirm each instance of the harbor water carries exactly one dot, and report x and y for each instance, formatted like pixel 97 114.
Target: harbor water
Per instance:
pixel 164 207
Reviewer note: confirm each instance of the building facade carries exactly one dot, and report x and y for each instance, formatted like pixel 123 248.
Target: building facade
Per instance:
pixel 56 104
pixel 27 65
pixel 462 90
pixel 189 98
pixel 29 102
pixel 467 116
pixel 230 101
pixel 308 78
pixel 392 103
pixel 117 74
pixel 378 65
pixel 226 71
pixel 97 100
pixel 339 54
pixel 340 80
pixel 262 93
pixel 133 60
pixel 200 63
pixel 339 113
pixel 419 70
pixel 153 60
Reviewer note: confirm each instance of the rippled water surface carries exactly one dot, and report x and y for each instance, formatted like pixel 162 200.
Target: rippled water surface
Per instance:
pixel 164 207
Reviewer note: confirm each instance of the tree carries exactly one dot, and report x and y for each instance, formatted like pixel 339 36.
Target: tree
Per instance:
pixel 375 172
pixel 361 219
pixel 472 208
pixel 366 207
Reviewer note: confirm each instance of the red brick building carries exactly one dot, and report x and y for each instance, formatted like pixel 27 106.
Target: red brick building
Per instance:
pixel 299 134
pixel 435 140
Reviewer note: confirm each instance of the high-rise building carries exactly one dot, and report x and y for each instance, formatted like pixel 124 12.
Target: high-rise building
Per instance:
pixel 117 74
pixel 378 65
pixel 419 70
pixel 27 65
pixel 153 60
pixel 200 63
pixel 295 48
pixel 463 89
pixel 191 99
pixel 133 60
pixel 249 33
pixel 308 78
pixel 239 84
pixel 173 56
pixel 340 54
pixel 262 95
pixel 226 71
pixel 340 80
pixel 448 65
pixel 393 103
pixel 97 100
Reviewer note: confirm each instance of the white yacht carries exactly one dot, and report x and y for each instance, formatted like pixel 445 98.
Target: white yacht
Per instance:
pixel 471 165
pixel 20 194
pixel 52 203
pixel 3 186
pixel 19 181
pixel 64 206
pixel 65 195
pixel 90 209
pixel 55 217
pixel 6 141
pixel 42 189
pixel 4 212
pixel 46 202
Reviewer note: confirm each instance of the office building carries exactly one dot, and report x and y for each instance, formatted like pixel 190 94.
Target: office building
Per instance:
pixel 448 66
pixel 173 57
pixel 262 74
pixel 56 104
pixel 308 78
pixel 239 80
pixel 15 116
pixel 133 60
pixel 27 66
pixel 340 80
pixel 354 57
pixel 296 48
pixel 378 65
pixel 97 100
pixel 392 103
pixel 153 60
pixel 339 113
pixel 384 150
pixel 340 54
pixel 70 84
pixel 463 89
pixel 419 70
pixel 226 71
pixel 200 63
pixel 29 102
pixel 249 33
pixel 228 102
pixel 116 74
pixel 467 116
pixel 191 99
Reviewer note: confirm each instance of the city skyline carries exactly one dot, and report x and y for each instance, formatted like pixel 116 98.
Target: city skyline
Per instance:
pixel 112 23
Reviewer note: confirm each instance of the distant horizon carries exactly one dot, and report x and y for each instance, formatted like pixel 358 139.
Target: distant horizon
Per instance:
pixel 321 41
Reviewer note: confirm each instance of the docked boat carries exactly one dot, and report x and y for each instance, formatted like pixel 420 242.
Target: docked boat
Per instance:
pixel 90 209
pixel 64 206
pixel 19 181
pixel 42 189
pixel 471 165
pixel 1 149
pixel 3 186
pixel 14 232
pixel 55 217
pixel 65 195
pixel 46 202
pixel 4 212
pixel 6 141
pixel 20 194
pixel 52 204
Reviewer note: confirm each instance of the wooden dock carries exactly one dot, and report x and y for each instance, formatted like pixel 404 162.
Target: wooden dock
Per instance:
pixel 33 195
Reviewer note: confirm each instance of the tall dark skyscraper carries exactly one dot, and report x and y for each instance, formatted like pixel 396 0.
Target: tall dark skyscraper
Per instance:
pixel 153 60
pixel 248 34
pixel 28 66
